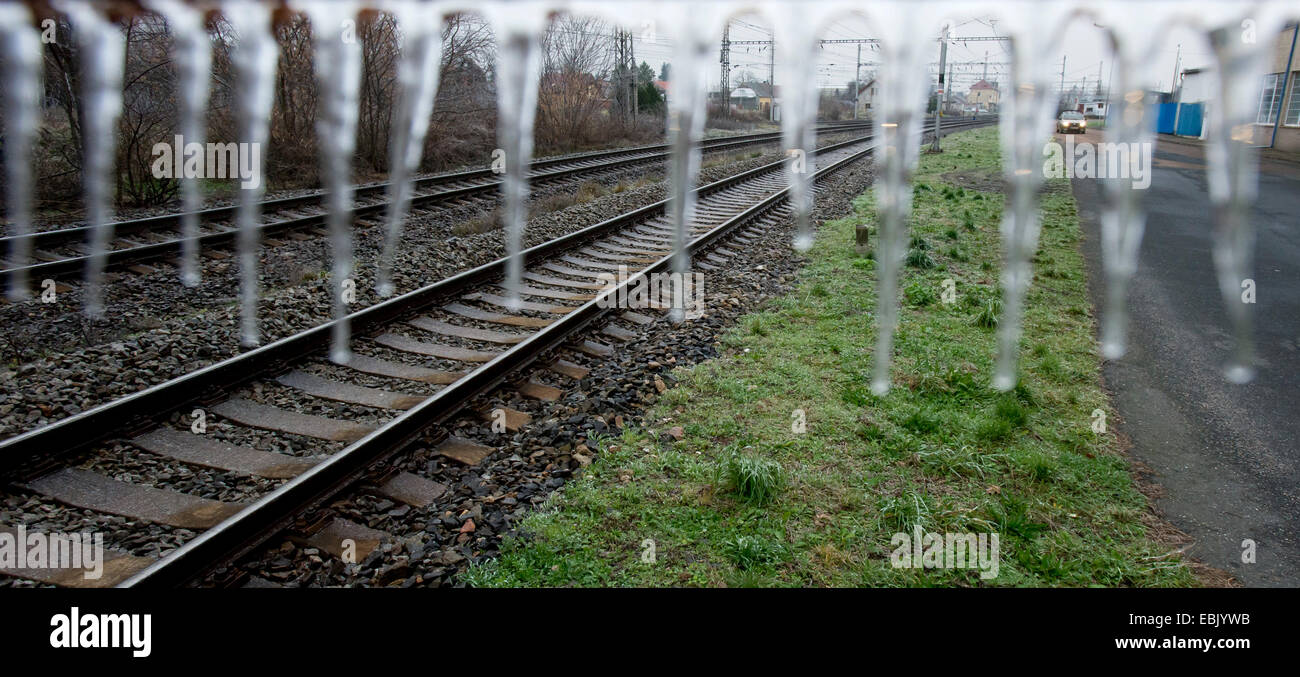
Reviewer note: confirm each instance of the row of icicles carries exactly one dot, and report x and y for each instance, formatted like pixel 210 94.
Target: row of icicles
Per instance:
pixel 907 42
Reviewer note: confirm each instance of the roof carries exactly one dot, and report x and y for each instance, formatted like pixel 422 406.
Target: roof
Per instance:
pixel 864 86
pixel 983 84
pixel 743 93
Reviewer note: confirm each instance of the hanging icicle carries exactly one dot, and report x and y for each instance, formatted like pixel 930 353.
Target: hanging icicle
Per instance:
pixel 418 72
pixel 103 58
pixel 337 61
pixel 1026 118
pixel 192 50
pixel 797 44
pixel 907 41
pixel 22 109
pixel 517 26
pixel 1234 177
pixel 687 109
pixel 254 58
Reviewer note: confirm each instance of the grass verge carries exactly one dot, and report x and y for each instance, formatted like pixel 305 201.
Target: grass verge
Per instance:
pixel 745 500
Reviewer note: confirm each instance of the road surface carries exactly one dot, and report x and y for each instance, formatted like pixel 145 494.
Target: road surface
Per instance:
pixel 1226 455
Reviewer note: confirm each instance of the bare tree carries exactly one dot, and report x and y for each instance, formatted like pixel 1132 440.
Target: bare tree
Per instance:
pixel 573 99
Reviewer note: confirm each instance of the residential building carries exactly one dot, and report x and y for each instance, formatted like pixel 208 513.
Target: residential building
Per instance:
pixel 984 95
pixel 866 97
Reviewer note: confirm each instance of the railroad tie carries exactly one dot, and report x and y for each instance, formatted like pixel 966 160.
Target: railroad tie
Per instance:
pixel 540 391
pixel 561 282
pixel 331 539
pixel 556 293
pixel 116 566
pixel 372 365
pixel 570 369
pixel 514 420
pixel 411 489
pixel 472 333
pixel 503 302
pixel 265 417
pixel 346 392
pixel 464 451
pixel 93 491
pixel 202 450
pixel 410 345
pixel 594 349
pixel 498 318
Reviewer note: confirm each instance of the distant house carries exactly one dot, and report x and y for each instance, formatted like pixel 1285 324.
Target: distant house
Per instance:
pixel 867 97
pixel 1093 109
pixel 984 95
pixel 765 94
pixel 744 98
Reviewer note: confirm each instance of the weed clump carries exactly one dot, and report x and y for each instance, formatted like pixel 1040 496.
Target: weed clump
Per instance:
pixel 754 479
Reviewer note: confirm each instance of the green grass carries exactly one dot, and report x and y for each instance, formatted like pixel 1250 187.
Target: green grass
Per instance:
pixel 745 500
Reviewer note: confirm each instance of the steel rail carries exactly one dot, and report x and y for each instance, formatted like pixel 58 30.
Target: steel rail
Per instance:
pixel 165 222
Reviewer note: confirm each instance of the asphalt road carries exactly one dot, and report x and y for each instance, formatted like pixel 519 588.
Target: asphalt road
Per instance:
pixel 1227 456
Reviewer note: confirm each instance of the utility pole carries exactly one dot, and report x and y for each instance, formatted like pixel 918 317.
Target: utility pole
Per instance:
pixel 771 82
pixel 1173 88
pixel 724 85
pixel 943 93
pixel 636 73
pixel 1177 58
pixel 1061 98
pixel 625 75
pixel 1109 79
pixel 857 84
pixel 985 77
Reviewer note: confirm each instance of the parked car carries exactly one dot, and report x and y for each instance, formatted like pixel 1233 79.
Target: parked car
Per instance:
pixel 1071 122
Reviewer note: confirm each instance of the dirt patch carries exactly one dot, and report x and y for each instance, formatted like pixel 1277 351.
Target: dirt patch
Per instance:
pixel 983 180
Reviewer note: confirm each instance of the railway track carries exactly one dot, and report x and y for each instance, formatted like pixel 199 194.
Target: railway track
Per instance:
pixel 63 253
pixel 308 429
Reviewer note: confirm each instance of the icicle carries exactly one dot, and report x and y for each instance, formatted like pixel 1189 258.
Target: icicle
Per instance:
pixel 254 58
pixel 798 48
pixel 418 74
pixel 22 95
pixel 1026 123
pixel 103 58
pixel 907 44
pixel 687 109
pixel 338 74
pixel 193 53
pixel 1233 180
pixel 1134 42
pixel 517 26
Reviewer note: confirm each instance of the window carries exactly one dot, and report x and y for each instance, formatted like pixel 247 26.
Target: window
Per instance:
pixel 1270 99
pixel 1293 108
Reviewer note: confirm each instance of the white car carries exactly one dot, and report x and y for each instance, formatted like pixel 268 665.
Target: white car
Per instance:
pixel 1071 122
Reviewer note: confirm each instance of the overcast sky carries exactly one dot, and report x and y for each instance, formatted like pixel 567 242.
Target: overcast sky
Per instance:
pixel 1086 56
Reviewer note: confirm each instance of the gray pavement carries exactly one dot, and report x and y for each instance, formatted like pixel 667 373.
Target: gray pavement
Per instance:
pixel 1226 455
